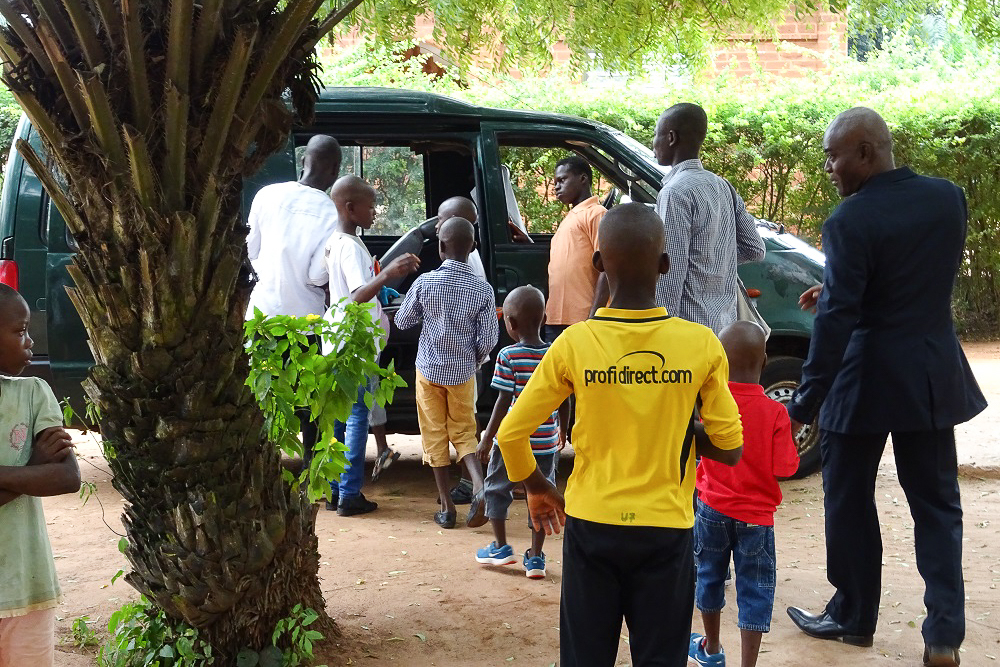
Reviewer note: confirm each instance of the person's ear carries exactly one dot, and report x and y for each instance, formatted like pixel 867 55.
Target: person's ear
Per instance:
pixel 598 261
pixel 865 151
pixel 664 263
pixel 441 246
pixel 545 319
pixel 673 138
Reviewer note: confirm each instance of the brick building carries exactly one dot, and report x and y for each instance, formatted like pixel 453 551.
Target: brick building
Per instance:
pixel 799 48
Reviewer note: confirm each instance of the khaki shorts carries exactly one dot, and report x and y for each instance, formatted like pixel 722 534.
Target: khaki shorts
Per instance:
pixel 446 413
pixel 29 640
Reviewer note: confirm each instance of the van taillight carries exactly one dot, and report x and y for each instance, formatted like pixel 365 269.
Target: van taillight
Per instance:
pixel 9 274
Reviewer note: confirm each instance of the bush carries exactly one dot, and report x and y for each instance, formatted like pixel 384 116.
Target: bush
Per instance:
pixel 766 135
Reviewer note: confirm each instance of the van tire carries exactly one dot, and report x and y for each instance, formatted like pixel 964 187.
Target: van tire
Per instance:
pixel 780 378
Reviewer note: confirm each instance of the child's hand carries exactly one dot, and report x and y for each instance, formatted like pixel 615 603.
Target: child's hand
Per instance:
pixel 52 445
pixel 562 438
pixel 809 298
pixel 484 449
pixel 402 266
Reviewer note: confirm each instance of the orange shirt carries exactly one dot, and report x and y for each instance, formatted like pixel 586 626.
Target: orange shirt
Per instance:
pixel 572 276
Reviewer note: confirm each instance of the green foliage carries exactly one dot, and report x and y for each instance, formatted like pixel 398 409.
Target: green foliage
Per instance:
pixel 83 634
pixel 142 636
pixel 288 370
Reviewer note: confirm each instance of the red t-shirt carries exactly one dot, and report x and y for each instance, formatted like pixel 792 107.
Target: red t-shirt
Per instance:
pixel 749 491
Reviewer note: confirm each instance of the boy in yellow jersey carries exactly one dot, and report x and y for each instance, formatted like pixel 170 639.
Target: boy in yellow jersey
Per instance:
pixel 637 373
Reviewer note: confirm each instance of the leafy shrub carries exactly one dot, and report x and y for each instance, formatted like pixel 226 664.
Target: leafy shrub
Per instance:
pixel 766 135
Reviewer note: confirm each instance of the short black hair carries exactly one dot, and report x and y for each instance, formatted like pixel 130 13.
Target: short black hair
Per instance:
pixel 8 295
pixel 690 121
pixel 577 165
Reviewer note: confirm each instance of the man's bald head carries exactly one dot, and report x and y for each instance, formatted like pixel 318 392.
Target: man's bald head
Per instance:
pixel 630 238
pixel 858 145
pixel 456 238
pixel 321 164
pixel 461 207
pixel 746 348
pixel 680 132
pixel 525 307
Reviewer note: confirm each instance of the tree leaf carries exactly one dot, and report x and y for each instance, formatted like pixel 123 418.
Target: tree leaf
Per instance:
pixel 247 658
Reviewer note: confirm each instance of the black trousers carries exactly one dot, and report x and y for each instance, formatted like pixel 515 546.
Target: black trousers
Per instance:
pixel 928 472
pixel 309 428
pixel 640 574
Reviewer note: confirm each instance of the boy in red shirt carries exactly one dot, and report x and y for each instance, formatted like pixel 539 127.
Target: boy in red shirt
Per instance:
pixel 736 507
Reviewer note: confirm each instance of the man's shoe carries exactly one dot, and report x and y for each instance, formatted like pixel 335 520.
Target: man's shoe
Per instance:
pixel 494 555
pixel 331 504
pixel 941 656
pixel 698 656
pixel 461 493
pixel 823 627
pixel 445 519
pixel 356 505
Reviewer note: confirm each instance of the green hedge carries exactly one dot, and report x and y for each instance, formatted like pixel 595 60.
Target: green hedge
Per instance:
pixel 766 136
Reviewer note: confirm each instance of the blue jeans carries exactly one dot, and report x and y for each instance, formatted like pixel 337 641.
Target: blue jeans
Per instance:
pixel 716 537
pixel 354 434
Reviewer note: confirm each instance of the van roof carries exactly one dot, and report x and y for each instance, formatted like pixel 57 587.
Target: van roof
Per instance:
pixel 394 101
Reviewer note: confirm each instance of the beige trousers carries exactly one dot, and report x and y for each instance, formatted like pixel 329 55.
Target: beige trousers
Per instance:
pixel 29 640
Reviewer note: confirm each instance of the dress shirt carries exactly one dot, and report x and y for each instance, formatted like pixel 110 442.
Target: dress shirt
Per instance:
pixel 708 233
pixel 460 327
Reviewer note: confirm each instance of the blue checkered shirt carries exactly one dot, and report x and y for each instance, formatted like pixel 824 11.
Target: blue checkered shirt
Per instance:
pixel 459 314
pixel 708 232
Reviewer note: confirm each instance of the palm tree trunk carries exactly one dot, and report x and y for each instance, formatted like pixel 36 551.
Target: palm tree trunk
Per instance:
pixel 152 112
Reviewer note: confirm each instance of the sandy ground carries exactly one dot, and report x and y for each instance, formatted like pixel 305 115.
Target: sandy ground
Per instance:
pixel 407 593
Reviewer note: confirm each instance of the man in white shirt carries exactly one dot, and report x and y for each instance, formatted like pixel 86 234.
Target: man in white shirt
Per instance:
pixel 289 226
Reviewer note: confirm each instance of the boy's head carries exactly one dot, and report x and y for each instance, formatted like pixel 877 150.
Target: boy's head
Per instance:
pixel 573 179
pixel 456 207
pixel 355 201
pixel 524 312
pixel 630 238
pixel 15 343
pixel 745 344
pixel 456 238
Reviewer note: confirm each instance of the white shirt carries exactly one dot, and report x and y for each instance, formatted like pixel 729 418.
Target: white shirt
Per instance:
pixel 476 264
pixel 289 226
pixel 350 266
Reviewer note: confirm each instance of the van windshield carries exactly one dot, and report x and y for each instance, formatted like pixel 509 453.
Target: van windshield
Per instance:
pixel 639 149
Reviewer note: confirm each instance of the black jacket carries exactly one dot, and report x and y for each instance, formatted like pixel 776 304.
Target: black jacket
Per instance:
pixel 884 354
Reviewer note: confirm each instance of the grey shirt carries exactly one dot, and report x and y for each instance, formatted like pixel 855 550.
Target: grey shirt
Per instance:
pixel 708 233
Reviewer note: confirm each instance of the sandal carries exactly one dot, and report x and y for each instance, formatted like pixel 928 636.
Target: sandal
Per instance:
pixel 445 519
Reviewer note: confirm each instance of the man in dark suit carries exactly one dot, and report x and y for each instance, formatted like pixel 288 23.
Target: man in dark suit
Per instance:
pixel 884 359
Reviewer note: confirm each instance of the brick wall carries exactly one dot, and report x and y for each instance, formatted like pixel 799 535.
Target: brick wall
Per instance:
pixel 799 48
pixel 801 43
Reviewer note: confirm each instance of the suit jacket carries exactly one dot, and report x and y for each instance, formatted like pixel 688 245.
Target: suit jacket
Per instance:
pixel 884 354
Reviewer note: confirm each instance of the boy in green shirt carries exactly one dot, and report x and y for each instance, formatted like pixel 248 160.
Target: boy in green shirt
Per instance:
pixel 36 459
pixel 637 374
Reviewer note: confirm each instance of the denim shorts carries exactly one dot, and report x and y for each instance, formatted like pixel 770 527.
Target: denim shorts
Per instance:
pixel 499 490
pixel 716 538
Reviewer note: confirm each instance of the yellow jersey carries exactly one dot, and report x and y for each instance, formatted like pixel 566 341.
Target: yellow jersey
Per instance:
pixel 636 375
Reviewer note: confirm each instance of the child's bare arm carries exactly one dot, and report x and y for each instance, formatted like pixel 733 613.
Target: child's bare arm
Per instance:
pixel 500 408
pixel 52 445
pixel 704 447
pixel 397 268
pixel 44 479
pixel 563 424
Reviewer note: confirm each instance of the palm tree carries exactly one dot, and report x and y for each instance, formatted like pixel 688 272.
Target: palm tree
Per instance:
pixel 152 112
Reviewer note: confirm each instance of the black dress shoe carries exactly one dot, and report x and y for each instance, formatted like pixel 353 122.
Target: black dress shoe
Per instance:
pixel 823 627
pixel 356 505
pixel 941 656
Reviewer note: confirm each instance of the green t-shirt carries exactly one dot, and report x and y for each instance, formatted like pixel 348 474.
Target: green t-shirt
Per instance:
pixel 27 572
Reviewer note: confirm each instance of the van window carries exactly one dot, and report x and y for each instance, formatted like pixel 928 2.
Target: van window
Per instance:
pixel 397 174
pixel 532 170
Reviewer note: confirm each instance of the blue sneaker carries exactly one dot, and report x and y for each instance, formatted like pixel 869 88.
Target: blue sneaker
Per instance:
pixel 494 555
pixel 534 566
pixel 697 655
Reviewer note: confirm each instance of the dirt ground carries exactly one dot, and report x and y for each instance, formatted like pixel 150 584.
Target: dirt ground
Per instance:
pixel 405 592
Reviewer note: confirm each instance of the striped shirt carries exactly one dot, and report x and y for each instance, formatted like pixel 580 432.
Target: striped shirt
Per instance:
pixel 458 311
pixel 708 232
pixel 515 364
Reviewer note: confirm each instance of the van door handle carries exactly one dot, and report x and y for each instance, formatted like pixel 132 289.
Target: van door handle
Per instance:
pixel 40 304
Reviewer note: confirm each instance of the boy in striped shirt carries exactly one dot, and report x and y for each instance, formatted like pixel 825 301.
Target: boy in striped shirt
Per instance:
pixel 523 315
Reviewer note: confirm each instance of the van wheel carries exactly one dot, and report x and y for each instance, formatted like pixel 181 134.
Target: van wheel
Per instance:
pixel 780 378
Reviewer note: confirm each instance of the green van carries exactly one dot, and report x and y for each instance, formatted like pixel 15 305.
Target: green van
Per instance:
pixel 419 149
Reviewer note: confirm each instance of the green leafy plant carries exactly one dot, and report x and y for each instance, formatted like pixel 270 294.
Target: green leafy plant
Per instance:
pixel 83 634
pixel 288 371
